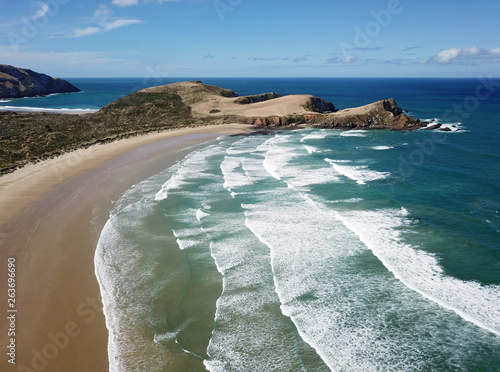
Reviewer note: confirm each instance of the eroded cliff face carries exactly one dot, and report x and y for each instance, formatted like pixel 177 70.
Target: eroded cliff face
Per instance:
pixel 17 83
pixel 385 114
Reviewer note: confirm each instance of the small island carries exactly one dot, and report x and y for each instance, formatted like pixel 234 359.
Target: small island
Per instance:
pixel 31 137
pixel 18 83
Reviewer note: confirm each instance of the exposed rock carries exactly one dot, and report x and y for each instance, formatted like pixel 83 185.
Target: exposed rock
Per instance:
pixel 391 106
pixel 434 126
pixel 263 132
pixel 16 83
pixel 257 98
pixel 316 104
pixel 446 129
pixel 384 114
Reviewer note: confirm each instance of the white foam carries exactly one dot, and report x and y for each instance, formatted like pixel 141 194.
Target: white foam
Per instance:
pixel 280 163
pixel 200 214
pixel 354 133
pixel 359 173
pixel 381 148
pixel 235 176
pixel 352 200
pixel 432 120
pixel 193 166
pixel 277 155
pixel 420 271
pixel 104 278
pixel 454 126
pixel 311 149
pixel 44 109
pixel 316 136
pixel 5 100
pixel 338 160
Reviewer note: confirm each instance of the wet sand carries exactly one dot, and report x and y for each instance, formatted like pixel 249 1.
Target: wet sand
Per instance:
pixel 50 219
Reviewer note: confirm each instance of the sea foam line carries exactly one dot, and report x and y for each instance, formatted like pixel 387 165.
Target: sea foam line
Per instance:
pixel 360 173
pixel 421 272
pixel 44 109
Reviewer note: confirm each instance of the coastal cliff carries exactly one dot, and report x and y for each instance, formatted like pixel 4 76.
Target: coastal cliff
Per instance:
pixel 17 83
pixel 31 137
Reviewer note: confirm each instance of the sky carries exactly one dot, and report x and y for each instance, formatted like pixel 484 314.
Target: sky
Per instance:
pixel 252 38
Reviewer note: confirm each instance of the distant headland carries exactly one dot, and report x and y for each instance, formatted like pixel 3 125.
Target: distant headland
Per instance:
pixel 18 83
pixel 30 137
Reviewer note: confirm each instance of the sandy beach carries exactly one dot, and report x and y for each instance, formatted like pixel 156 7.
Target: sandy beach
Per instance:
pixel 50 219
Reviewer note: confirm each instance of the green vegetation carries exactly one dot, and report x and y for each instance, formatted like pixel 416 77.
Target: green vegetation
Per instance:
pixel 31 137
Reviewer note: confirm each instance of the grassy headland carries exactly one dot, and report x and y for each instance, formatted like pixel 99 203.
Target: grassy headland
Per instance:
pixel 31 137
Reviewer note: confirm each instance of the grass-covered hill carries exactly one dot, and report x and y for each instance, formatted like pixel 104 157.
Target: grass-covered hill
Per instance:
pixel 30 137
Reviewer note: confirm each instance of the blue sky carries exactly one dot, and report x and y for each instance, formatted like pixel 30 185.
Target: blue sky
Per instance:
pixel 219 38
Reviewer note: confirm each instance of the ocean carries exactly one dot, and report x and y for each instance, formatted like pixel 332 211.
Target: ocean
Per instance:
pixel 311 249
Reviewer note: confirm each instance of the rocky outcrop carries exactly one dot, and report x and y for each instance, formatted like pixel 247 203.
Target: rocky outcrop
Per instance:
pixel 385 114
pixel 316 104
pixel 391 106
pixel 257 98
pixel 17 83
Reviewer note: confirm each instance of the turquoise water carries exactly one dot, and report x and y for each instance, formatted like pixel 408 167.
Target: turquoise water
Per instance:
pixel 314 249
pixel 317 227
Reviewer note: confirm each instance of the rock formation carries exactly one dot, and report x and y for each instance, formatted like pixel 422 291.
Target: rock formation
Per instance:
pixel 257 98
pixel 17 83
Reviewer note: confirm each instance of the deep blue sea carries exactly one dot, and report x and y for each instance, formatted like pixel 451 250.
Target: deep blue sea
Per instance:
pixel 313 249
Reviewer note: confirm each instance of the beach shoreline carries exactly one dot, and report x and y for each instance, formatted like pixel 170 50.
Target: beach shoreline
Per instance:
pixel 51 217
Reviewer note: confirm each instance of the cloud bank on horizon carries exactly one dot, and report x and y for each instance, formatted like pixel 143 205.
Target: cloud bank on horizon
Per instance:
pixel 251 38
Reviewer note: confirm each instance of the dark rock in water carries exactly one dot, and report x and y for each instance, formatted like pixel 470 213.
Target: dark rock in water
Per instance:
pixel 254 133
pixel 17 83
pixel 447 129
pixel 434 126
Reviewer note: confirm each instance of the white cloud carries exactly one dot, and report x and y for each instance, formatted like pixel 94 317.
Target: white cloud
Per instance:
pixel 337 60
pixel 43 10
pixel 102 11
pixel 472 51
pixel 447 55
pixel 125 2
pixel 135 2
pixel 120 23
pixel 495 51
pixel 350 59
pixel 467 55
pixel 105 27
pixel 86 31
